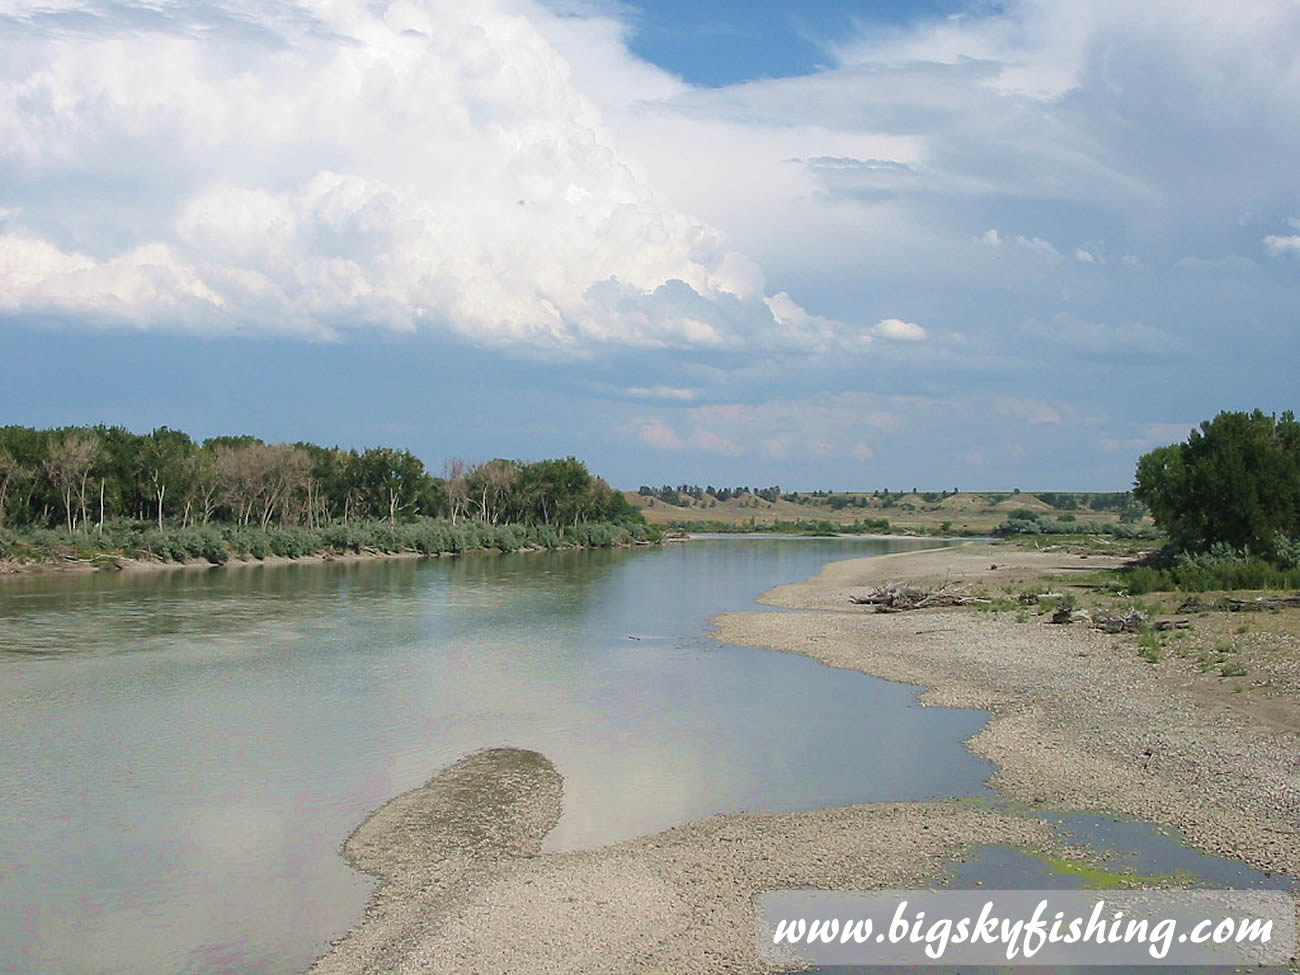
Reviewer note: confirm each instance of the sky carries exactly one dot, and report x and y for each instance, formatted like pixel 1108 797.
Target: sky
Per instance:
pixel 831 246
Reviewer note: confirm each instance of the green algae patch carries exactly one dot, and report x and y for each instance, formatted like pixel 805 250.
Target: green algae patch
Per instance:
pixel 1095 877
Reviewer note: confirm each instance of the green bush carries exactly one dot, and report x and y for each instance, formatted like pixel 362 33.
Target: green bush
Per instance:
pixel 1142 579
pixel 249 542
pixel 1219 568
pixel 1286 551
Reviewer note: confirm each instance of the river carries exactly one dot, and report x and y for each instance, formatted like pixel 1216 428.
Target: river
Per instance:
pixel 183 752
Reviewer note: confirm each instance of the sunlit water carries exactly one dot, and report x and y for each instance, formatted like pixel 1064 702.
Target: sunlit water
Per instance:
pixel 182 753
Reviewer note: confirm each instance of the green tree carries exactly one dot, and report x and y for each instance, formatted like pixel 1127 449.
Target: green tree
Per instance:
pixel 552 490
pixel 164 459
pixel 388 481
pixel 11 473
pixel 1236 481
pixel 67 464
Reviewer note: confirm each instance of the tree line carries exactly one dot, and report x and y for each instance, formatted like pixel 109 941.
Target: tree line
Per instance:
pixel 678 495
pixel 79 478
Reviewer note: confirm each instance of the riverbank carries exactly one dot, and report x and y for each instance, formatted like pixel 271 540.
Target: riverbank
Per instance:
pixel 1080 720
pixel 1077 724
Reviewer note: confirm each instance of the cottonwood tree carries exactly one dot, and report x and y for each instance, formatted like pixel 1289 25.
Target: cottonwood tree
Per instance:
pixel 284 470
pixel 390 481
pixel 240 471
pixel 552 488
pixel 202 486
pixel 490 486
pixel 456 473
pixel 11 472
pixel 1235 481
pixel 164 456
pixel 257 481
pixel 67 465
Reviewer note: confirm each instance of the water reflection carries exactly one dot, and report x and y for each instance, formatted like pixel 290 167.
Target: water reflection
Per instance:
pixel 187 750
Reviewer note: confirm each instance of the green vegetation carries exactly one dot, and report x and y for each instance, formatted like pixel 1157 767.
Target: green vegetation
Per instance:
pixel 1228 500
pixel 217 543
pixel 1093 877
pixel 82 491
pixel 798 527
pixel 1023 522
pixel 1234 483
pixel 1219 568
pixel 1149 645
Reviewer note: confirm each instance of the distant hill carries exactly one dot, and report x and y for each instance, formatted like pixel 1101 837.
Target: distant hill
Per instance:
pixel 919 511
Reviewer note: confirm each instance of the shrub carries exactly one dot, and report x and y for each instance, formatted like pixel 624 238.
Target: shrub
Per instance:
pixel 1286 551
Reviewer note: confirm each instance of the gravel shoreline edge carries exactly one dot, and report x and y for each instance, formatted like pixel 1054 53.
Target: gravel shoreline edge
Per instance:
pixel 1079 722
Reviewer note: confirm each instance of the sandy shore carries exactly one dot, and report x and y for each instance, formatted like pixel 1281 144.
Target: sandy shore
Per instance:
pixel 1079 720
pixel 465 889
pixel 1079 723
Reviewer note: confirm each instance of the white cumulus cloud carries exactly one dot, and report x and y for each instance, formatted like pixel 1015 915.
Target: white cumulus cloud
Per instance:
pixel 899 330
pixel 1278 246
pixel 317 167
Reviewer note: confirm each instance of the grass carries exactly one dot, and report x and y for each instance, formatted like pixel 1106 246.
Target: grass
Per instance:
pixel 998 604
pixel 1149 645
pixel 1252 574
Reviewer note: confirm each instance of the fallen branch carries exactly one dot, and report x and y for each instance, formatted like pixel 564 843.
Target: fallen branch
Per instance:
pixel 1110 623
pixel 1262 603
pixel 894 599
pixel 1033 598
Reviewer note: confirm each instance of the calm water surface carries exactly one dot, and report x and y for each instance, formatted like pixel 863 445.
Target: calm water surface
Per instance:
pixel 181 754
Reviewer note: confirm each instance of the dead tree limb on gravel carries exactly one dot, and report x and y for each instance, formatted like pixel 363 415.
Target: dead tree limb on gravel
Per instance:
pixel 1262 603
pixel 894 599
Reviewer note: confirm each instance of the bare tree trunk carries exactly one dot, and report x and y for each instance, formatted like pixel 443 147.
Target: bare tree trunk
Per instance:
pixel 81 497
pixel 101 506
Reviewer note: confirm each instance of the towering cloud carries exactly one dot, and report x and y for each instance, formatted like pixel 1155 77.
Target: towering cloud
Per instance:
pixel 323 166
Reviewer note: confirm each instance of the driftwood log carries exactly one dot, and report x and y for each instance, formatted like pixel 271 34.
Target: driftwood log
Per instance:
pixel 1111 623
pixel 1069 612
pixel 1262 603
pixel 896 599
pixel 1034 598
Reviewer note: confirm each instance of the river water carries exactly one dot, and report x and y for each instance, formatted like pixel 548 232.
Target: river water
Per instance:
pixel 182 753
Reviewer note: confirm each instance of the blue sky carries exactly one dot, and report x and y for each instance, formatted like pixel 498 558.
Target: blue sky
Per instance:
pixel 839 245
pixel 725 43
